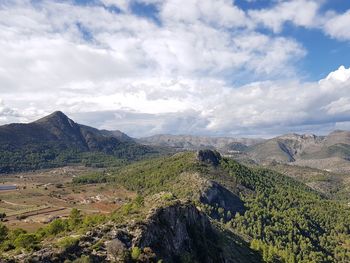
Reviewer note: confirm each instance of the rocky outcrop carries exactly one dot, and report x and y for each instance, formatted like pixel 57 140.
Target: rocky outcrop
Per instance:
pixel 218 196
pixel 209 157
pixel 180 233
pixel 175 233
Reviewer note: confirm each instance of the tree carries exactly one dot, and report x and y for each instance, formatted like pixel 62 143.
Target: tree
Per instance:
pixel 26 241
pixel 75 218
pixel 57 226
pixel 3 232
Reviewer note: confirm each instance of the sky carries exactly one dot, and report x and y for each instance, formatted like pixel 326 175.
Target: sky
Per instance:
pixel 244 68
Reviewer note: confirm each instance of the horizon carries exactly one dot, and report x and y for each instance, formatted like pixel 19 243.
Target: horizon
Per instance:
pixel 192 135
pixel 205 68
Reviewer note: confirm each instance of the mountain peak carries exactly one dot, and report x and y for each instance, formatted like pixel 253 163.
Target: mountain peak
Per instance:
pixel 55 117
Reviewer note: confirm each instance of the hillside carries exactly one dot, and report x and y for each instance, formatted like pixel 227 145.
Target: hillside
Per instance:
pixel 331 152
pixel 56 140
pixel 204 208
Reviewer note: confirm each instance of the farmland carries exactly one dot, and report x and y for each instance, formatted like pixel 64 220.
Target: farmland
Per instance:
pixel 40 197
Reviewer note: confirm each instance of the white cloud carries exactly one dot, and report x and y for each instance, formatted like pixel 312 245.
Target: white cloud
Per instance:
pixel 299 12
pixel 122 71
pixel 217 13
pixel 340 75
pixel 337 26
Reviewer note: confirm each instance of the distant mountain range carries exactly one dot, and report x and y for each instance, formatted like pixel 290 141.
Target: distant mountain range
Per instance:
pixel 189 142
pixel 56 140
pixel 331 152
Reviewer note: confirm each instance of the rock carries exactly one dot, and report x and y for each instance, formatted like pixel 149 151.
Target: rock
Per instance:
pixel 216 195
pixel 209 156
pixel 180 232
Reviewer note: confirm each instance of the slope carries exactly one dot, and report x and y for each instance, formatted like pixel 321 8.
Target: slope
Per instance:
pixel 56 140
pixel 188 198
pixel 284 219
pixel 330 152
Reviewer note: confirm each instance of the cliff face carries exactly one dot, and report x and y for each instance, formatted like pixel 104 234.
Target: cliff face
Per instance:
pixel 180 232
pixel 216 195
pixel 208 156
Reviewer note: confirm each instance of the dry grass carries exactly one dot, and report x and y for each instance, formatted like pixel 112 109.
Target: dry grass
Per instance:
pixel 44 195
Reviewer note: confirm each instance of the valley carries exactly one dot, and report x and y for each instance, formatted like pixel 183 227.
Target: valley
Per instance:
pixel 43 196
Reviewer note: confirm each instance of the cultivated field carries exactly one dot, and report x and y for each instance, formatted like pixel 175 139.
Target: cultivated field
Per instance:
pixel 42 196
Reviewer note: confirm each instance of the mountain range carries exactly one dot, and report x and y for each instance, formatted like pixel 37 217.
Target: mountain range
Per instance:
pixel 190 142
pixel 331 152
pixel 56 140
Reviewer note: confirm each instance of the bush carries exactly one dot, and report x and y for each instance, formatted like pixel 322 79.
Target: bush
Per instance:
pixel 3 232
pixel 83 259
pixel 57 226
pixel 68 243
pixel 135 253
pixel 117 250
pixel 75 218
pixel 26 241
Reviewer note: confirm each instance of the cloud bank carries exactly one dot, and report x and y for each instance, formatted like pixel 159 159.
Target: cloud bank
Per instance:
pixel 204 67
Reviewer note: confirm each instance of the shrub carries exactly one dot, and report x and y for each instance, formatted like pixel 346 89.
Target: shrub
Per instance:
pixel 135 253
pixel 75 218
pixel 68 243
pixel 3 232
pixel 83 259
pixel 116 249
pixel 26 241
pixel 57 226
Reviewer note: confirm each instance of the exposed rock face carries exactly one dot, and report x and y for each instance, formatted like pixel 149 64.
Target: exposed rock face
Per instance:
pixel 216 195
pixel 180 232
pixel 209 156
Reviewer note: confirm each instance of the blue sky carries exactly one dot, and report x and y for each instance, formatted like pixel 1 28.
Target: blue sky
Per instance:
pixel 324 54
pixel 206 67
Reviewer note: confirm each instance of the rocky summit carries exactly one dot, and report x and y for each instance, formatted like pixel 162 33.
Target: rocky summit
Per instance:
pixel 209 156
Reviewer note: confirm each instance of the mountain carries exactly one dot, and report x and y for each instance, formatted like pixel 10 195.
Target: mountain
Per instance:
pixel 56 140
pixel 331 152
pixel 188 142
pixel 194 207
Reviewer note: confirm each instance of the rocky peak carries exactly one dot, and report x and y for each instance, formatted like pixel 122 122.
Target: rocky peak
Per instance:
pixel 209 156
pixel 179 231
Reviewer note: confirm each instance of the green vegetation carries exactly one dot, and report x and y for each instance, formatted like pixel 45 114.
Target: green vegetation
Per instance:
pixel 152 176
pixel 135 253
pixel 18 238
pixel 284 220
pixel 68 243
pixel 34 157
pixel 288 221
